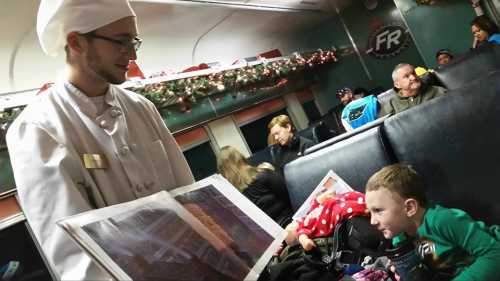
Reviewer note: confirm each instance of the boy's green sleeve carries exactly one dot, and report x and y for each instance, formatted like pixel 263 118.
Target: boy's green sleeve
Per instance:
pixel 462 231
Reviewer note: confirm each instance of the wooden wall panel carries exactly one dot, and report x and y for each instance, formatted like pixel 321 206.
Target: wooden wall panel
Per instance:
pixel 9 207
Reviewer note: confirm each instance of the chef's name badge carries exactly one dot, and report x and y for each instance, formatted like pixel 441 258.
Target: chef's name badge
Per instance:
pixel 95 161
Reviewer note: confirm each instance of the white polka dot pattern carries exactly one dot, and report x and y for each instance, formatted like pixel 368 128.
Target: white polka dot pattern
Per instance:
pixel 322 218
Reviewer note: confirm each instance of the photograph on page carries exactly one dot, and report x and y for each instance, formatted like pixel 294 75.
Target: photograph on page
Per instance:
pixel 330 183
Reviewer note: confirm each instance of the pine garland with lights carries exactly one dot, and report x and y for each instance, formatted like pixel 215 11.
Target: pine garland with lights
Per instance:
pixel 7 116
pixel 187 90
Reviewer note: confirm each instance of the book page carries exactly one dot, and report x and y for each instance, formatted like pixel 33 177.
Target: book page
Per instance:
pixel 156 238
pixel 330 183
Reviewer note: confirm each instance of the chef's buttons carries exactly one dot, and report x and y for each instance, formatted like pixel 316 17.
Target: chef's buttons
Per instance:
pixel 124 150
pixel 115 112
pixel 103 124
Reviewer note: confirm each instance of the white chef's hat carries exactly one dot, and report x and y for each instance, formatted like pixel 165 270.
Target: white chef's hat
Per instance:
pixel 57 18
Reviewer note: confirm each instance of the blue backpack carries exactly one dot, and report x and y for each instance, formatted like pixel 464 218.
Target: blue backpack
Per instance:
pixel 360 111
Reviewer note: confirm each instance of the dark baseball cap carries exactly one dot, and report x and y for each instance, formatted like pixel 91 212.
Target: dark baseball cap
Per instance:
pixel 343 91
pixel 444 52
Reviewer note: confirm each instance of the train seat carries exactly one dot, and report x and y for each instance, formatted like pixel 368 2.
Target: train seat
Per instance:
pixel 304 173
pixel 469 67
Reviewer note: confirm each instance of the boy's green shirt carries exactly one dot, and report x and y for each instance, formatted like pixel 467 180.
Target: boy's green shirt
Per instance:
pixel 450 238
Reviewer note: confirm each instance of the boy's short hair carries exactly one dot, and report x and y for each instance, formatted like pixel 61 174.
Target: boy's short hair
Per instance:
pixel 401 179
pixel 281 120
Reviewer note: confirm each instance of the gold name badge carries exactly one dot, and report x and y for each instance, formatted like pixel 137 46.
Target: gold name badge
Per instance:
pixel 95 161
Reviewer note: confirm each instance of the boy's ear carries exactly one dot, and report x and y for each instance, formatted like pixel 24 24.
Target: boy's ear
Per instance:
pixel 411 207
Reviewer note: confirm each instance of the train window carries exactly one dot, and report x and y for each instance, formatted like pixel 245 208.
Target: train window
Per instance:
pixel 306 98
pixel 17 246
pixel 201 160
pixel 255 133
pixel 311 111
pixel 6 176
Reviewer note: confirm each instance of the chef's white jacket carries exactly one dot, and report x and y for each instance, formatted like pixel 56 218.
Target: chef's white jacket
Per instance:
pixel 46 144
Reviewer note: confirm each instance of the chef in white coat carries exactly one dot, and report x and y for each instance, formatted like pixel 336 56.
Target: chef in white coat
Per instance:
pixel 85 143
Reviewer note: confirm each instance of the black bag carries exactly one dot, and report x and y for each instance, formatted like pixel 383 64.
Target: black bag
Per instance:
pixel 411 267
pixel 294 264
pixel 360 239
pixel 352 241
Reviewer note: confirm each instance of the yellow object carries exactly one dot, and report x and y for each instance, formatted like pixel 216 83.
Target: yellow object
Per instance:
pixel 420 71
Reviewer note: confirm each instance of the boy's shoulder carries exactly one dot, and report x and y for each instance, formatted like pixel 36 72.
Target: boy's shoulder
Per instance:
pixel 437 221
pixel 445 222
pixel 437 214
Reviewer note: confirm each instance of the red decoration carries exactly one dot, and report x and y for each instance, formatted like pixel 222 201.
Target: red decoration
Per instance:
pixel 201 66
pixel 45 87
pixel 271 54
pixel 134 70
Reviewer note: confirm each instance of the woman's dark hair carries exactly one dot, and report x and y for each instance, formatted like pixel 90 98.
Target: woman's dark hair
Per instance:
pixel 485 24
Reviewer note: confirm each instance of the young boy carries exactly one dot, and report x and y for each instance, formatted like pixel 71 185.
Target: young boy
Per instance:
pixel 445 239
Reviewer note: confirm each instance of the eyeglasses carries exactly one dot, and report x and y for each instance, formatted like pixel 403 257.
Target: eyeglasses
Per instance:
pixel 125 44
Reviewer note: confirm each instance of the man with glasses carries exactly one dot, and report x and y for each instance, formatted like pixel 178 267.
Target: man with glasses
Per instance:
pixel 86 143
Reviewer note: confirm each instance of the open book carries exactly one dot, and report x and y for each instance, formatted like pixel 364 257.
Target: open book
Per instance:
pixel 330 183
pixel 204 231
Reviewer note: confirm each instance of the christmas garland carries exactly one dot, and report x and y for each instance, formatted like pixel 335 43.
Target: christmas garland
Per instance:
pixel 188 90
pixel 7 116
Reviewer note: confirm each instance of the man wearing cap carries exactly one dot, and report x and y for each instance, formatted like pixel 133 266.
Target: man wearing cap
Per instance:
pixel 410 90
pixel 345 95
pixel 86 143
pixel 443 57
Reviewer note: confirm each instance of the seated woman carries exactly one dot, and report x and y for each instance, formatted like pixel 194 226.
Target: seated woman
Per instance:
pixel 484 30
pixel 261 184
